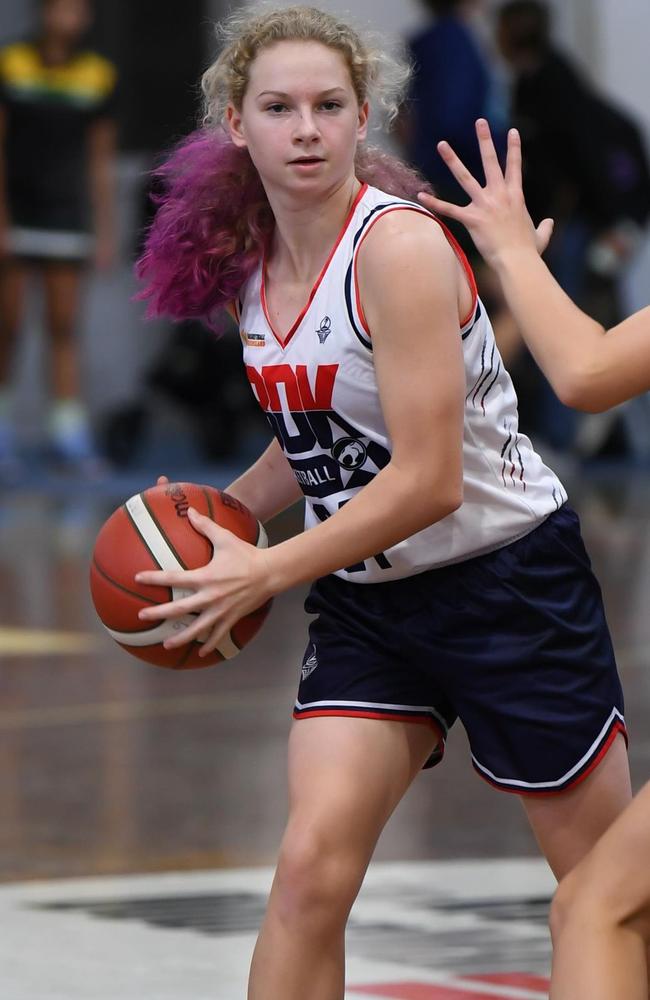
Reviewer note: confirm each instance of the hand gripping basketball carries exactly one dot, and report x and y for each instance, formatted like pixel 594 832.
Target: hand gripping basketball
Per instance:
pixel 211 565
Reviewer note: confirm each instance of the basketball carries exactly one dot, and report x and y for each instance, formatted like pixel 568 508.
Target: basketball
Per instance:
pixel 152 531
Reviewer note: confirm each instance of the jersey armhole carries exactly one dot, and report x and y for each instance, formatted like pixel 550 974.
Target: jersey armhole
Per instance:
pixel 453 243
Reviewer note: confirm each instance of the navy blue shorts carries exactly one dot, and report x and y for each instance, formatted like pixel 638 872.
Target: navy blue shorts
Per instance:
pixel 513 643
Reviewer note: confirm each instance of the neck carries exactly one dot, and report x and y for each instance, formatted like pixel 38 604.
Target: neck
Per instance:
pixel 55 51
pixel 304 233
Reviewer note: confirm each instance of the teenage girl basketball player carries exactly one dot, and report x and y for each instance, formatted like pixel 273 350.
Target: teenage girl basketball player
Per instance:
pixel 601 912
pixel 451 580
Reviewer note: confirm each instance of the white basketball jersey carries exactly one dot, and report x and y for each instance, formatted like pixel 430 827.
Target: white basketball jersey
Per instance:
pixel 318 390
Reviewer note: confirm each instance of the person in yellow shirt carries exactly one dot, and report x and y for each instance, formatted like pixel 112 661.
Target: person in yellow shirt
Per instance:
pixel 57 210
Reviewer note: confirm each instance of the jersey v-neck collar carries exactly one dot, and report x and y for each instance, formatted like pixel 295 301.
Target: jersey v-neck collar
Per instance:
pixel 284 342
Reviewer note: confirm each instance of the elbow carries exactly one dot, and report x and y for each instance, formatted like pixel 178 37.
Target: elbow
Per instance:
pixel 579 391
pixel 453 499
pixel 447 498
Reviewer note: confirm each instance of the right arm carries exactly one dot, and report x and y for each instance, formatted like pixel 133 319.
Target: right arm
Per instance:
pixel 589 368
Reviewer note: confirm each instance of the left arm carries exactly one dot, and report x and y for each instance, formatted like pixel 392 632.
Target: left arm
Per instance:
pixel 102 146
pixel 409 283
pixel 589 368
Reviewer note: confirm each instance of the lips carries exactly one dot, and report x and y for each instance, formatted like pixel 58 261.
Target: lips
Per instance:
pixel 308 159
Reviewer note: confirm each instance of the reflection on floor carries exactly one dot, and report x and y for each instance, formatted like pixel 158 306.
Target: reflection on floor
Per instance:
pixel 109 767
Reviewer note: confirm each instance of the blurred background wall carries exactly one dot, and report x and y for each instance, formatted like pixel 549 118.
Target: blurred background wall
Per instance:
pixel 161 46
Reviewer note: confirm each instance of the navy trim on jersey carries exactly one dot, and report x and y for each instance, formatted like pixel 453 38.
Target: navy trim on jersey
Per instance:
pixel 398 203
pixel 474 321
pixel 348 302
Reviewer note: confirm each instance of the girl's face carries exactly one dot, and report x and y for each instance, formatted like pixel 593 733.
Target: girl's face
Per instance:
pixel 300 118
pixel 67 20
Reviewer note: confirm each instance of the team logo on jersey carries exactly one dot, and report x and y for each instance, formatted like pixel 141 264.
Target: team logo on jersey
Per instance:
pixel 350 453
pixel 310 664
pixel 253 339
pixel 324 329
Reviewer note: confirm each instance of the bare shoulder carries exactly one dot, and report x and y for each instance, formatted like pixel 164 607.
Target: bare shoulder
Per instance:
pixel 406 251
pixel 408 241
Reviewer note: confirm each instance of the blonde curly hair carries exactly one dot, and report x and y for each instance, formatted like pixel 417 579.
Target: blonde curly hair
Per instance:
pixel 376 75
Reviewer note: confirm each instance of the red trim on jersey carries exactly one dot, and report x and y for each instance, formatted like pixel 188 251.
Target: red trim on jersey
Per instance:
pixel 453 242
pixel 359 714
pixel 617 728
pixel 344 228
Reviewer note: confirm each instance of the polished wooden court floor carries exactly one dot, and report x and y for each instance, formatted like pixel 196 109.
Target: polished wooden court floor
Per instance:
pixel 110 766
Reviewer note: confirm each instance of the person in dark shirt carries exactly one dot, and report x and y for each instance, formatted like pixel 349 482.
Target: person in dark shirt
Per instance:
pixel 565 128
pixel 452 86
pixel 57 211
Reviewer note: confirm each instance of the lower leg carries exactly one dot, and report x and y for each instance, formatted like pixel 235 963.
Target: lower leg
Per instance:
pixel 300 950
pixel 569 827
pixel 69 426
pixel 62 294
pixel 13 278
pixel 600 918
pixel 346 776
pixel 595 957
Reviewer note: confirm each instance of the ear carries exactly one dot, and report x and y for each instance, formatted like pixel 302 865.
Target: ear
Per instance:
pixel 235 126
pixel 362 127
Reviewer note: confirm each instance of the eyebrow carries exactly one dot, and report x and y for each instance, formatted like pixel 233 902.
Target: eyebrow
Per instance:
pixel 281 93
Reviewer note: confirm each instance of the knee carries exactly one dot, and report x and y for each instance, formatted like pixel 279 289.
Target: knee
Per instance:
pixel 578 904
pixel 316 880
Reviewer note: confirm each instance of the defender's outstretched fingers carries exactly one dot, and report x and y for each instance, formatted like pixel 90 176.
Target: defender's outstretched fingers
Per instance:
pixel 513 160
pixel 489 158
pixel 464 177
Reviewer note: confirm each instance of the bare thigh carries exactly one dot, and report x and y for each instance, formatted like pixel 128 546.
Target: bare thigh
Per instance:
pixel 568 825
pixel 346 776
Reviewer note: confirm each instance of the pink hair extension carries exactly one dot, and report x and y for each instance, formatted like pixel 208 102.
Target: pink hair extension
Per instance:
pixel 213 221
pixel 211 225
pixel 389 174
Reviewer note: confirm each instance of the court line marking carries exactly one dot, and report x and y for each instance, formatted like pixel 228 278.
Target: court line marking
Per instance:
pixel 26 642
pixel 128 711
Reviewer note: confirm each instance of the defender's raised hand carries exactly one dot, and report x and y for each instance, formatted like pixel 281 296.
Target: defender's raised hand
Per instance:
pixel 496 217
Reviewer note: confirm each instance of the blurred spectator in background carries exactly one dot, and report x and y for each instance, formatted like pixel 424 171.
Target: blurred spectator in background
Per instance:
pixel 454 82
pixel 57 204
pixel 452 85
pixel 586 167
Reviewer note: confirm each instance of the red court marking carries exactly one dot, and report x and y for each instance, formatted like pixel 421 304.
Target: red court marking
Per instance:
pixel 421 991
pixel 521 979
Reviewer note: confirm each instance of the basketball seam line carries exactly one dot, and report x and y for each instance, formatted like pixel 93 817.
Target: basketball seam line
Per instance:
pixel 120 586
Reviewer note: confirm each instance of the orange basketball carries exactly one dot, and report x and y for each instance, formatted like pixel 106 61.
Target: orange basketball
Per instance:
pixel 152 531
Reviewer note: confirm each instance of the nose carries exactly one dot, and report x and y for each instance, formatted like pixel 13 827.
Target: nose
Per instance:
pixel 306 130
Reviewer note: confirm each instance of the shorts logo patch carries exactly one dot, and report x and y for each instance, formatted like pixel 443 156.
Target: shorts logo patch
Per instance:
pixel 310 664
